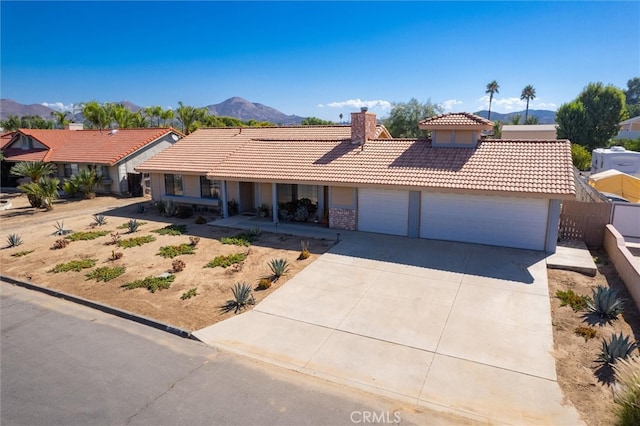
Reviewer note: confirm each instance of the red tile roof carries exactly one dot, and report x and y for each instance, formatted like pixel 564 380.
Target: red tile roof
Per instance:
pixel 86 146
pixel 455 120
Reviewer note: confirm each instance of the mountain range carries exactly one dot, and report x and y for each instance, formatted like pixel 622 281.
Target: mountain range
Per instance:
pixel 239 108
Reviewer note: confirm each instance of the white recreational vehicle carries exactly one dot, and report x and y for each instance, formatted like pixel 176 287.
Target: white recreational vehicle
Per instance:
pixel 615 158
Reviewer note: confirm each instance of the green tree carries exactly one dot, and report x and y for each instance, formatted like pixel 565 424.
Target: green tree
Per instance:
pixel 138 120
pixel 14 122
pixel 315 121
pixel 532 120
pixel 602 109
pixel 96 116
pixel 515 119
pixel 528 93
pixel 35 171
pixel 492 88
pixel 61 118
pixel 404 118
pixel 497 129
pixel 86 181
pixel 167 115
pixel 580 156
pixel 632 96
pixel 41 193
pixel 190 117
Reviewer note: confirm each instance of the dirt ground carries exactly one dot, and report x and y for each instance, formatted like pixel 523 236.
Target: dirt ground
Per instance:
pixel 36 228
pixel 585 384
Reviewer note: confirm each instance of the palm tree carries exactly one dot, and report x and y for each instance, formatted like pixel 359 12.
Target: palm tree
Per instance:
pixel 61 118
pixel 87 180
pixel 189 117
pixel 96 115
pixel 167 115
pixel 122 116
pixel 491 89
pixel 41 193
pixel 528 93
pixel 34 170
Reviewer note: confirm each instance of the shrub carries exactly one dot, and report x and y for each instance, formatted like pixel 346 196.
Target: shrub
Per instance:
pixel 194 241
pixel 126 224
pixel 132 226
pixel 22 253
pixel 173 251
pixel 264 283
pixel 241 239
pixel 83 236
pixel 605 302
pixel 168 208
pixel 14 240
pixel 233 207
pixel 617 347
pixel 279 267
pixel 99 219
pixel 115 238
pixel 242 298
pixel 184 212
pixel 580 156
pixel 152 284
pixel 586 332
pixel 70 187
pixel 135 241
pixel 200 220
pixel 115 255
pixel 60 229
pixel 301 214
pixel 627 396
pixel 177 265
pixel 570 298
pixel 255 232
pixel 60 244
pixel 105 273
pixel 304 253
pixel 74 265
pixel 172 229
pixel 226 261
pixel 189 294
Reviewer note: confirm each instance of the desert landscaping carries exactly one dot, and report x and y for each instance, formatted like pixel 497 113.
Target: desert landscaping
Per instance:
pixel 198 294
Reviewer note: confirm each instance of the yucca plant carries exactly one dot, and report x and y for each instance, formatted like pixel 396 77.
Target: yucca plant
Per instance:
pixel 255 231
pixel 242 298
pixel 279 267
pixel 618 346
pixel 60 229
pixel 605 302
pixel 304 253
pixel 99 219
pixel 627 394
pixel 14 240
pixel 133 225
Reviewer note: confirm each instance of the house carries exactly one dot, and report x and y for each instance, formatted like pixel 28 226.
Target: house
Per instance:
pixel 629 129
pixel 454 186
pixel 112 153
pixel 529 131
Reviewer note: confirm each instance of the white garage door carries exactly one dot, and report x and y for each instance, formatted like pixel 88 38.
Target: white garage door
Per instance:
pixel 385 211
pixel 498 221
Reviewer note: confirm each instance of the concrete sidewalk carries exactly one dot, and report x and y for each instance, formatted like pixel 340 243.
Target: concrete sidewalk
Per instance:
pixel 454 327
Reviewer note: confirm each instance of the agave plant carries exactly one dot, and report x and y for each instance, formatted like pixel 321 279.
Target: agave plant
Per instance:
pixel 617 347
pixel 242 298
pixel 605 302
pixel 60 229
pixel 133 225
pixel 279 267
pixel 14 240
pixel 99 219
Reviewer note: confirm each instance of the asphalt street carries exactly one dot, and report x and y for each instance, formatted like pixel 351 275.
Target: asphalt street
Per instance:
pixel 66 364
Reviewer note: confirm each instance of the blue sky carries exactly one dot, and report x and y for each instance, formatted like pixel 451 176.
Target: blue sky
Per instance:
pixel 315 58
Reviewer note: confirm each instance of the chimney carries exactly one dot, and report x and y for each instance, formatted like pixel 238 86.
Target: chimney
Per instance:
pixel 74 126
pixel 363 126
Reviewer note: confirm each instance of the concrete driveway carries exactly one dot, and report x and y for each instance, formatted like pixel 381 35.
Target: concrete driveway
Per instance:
pixel 455 327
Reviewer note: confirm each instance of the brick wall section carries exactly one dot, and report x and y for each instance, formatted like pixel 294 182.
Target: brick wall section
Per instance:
pixel 343 219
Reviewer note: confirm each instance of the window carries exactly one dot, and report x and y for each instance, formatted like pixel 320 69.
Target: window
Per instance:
pixel 308 191
pixel 103 171
pixel 70 170
pixel 209 188
pixel 285 192
pixel 173 184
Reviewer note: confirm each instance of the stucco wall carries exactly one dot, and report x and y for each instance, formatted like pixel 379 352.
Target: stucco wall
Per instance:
pixel 266 194
pixel 627 266
pixel 233 190
pixel 342 197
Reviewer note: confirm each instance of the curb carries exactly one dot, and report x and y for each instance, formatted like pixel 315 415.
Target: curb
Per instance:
pixel 104 308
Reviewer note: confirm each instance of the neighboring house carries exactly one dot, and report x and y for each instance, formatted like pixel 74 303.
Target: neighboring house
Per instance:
pixel 454 186
pixel 529 131
pixel 114 154
pixel 629 129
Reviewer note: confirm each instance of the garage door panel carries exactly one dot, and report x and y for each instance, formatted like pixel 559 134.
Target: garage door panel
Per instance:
pixel 501 221
pixel 383 211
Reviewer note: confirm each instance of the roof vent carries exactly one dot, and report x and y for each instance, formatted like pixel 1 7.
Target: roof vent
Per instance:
pixel 364 109
pixel 617 148
pixel 113 132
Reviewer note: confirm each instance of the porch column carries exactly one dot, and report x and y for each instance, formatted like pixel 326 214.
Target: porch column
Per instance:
pixel 274 201
pixel 223 200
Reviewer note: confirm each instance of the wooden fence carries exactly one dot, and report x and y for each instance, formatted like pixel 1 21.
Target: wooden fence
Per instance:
pixel 584 221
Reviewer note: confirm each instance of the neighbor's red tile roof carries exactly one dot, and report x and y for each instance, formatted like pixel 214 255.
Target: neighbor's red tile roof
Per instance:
pixel 86 146
pixel 455 120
